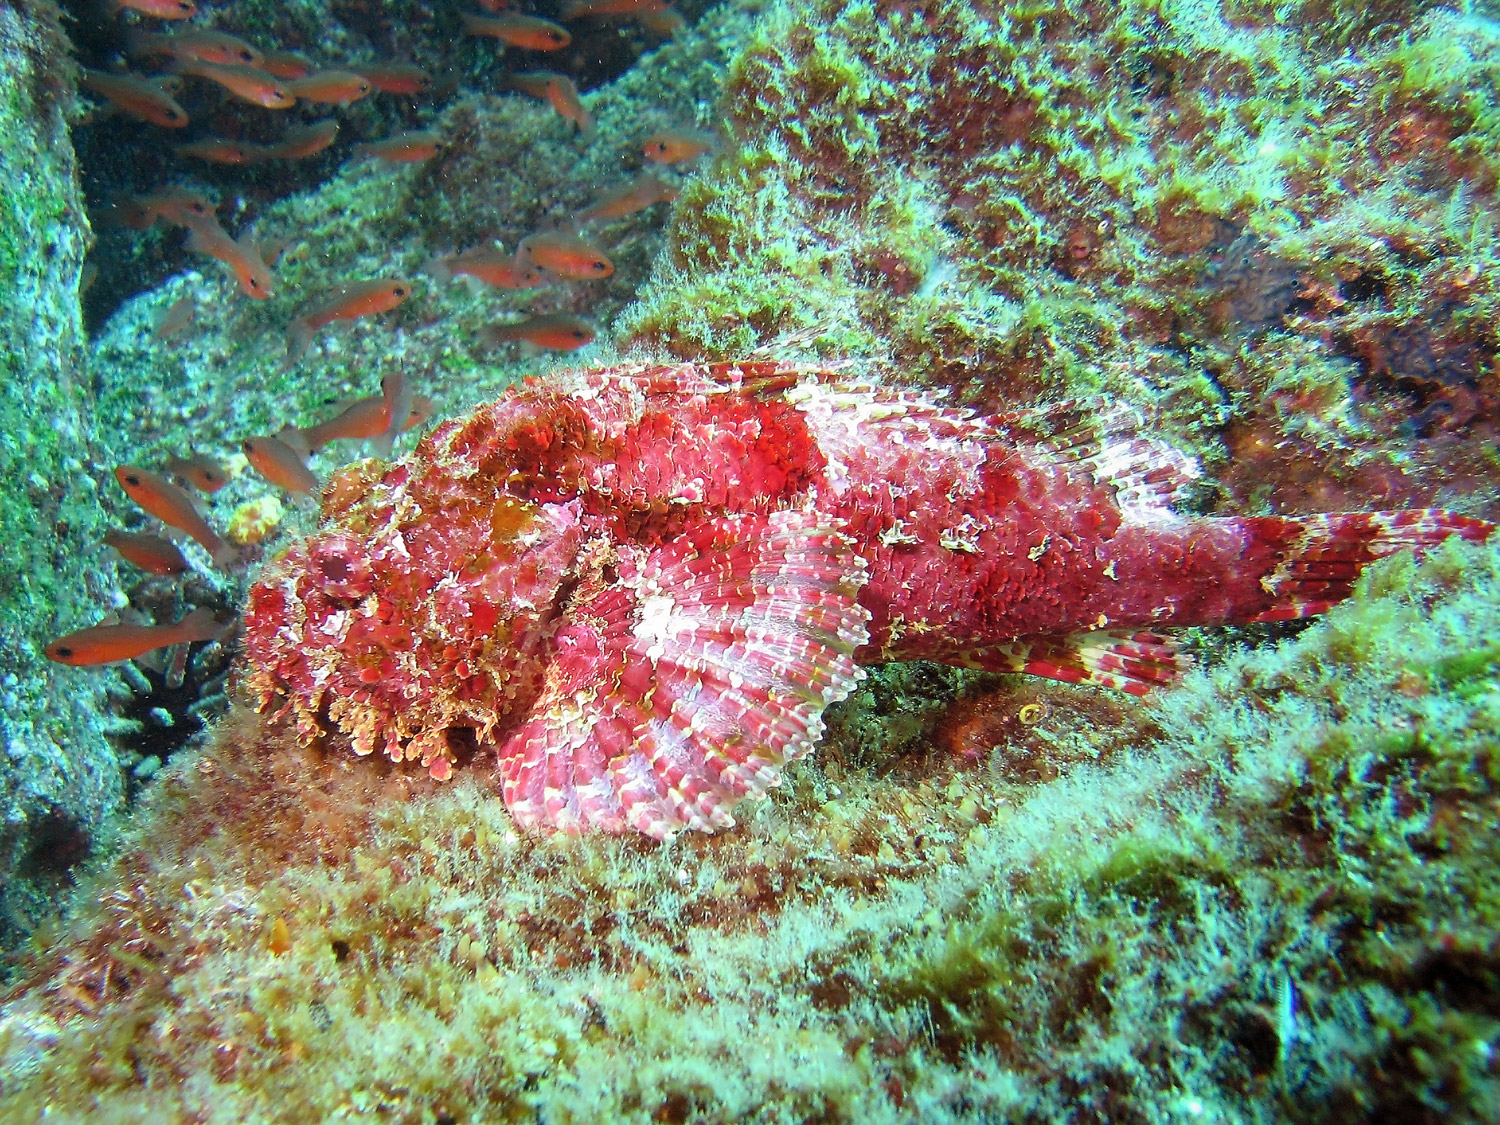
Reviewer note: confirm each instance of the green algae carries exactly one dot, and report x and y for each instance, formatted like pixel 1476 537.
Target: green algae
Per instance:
pixel 1088 173
pixel 60 781
pixel 912 935
pixel 1013 203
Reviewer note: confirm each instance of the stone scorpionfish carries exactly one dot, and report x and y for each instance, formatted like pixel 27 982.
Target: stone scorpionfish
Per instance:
pixel 640 587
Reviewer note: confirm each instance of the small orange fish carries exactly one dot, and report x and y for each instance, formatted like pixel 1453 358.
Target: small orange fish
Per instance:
pixel 605 9
pixel 203 473
pixel 330 87
pixel 364 298
pixel 174 507
pixel 666 23
pixel 280 464
pixel 304 141
pixel 562 254
pixel 177 205
pixel 362 420
pixel 411 147
pixel 286 64
pixel 202 44
pixel 491 266
pixel 127 213
pixel 173 319
pixel 395 77
pixel 242 255
pixel 171 205
pixel 676 146
pixel 159 9
pixel 560 93
pixel 637 196
pixel 558 333
pixel 519 31
pixel 244 82
pixel 151 553
pixel 218 150
pixel 140 97
pixel 107 644
pixel 283 250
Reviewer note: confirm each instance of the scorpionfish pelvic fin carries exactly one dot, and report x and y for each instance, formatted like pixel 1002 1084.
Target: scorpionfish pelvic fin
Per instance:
pixel 684 676
pixel 1132 662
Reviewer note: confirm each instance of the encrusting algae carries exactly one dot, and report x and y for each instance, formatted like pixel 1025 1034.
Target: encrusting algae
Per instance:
pixel 895 940
pixel 1262 893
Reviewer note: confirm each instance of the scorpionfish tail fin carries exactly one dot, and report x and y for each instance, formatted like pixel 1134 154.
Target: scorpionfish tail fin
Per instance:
pixel 683 682
pixel 1125 660
pixel 1319 557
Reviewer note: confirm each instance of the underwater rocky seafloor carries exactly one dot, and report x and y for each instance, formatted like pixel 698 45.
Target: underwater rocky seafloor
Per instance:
pixel 1103 923
pixel 1268 894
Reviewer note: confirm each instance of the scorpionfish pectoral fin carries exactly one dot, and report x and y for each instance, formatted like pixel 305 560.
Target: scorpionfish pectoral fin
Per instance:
pixel 686 675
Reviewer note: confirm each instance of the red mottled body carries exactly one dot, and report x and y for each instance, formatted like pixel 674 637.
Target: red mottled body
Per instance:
pixel 640 587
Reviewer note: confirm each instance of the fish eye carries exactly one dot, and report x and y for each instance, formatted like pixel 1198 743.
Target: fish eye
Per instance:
pixel 254 283
pixel 63 650
pixel 133 480
pixel 246 55
pixel 598 265
pixel 399 291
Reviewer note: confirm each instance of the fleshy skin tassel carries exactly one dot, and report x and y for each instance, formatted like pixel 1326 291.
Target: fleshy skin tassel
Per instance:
pixel 641 586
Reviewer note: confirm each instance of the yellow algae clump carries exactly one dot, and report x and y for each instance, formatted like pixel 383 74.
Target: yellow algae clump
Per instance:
pixel 254 520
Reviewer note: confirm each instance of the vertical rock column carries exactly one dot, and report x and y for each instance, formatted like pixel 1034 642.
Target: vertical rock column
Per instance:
pixel 59 778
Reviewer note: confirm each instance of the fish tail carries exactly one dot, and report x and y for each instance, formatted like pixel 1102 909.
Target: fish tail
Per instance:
pixel 438 269
pixel 397 391
pixel 224 556
pixel 1318 558
pixel 198 625
pixel 299 335
pixel 297 439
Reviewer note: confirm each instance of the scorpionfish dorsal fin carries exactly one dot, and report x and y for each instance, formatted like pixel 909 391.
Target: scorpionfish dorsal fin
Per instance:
pixel 1108 442
pixel 685 676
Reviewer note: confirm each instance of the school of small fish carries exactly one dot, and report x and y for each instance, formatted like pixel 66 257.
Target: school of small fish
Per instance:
pixel 278 80
pixel 160 62
pixel 168 495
